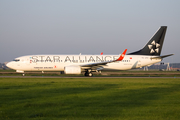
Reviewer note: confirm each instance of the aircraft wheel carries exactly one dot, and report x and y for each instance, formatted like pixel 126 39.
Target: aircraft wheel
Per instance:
pixel 86 74
pixel 90 74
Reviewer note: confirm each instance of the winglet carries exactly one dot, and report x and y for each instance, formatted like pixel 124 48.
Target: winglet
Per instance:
pixel 122 55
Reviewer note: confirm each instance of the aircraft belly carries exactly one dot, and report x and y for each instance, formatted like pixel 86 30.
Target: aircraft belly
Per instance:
pixel 149 62
pixel 118 66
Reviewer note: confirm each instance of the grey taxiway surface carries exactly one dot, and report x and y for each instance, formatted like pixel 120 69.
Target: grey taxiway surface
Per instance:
pixel 75 77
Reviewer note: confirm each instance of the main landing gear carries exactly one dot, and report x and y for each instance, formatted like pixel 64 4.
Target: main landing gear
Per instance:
pixel 88 73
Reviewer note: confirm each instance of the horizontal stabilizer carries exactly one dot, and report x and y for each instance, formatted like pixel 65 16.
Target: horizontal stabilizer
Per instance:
pixel 160 57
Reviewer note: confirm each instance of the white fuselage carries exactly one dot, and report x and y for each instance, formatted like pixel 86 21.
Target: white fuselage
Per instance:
pixel 59 62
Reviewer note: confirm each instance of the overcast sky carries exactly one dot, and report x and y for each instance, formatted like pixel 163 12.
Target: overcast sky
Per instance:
pixel 86 26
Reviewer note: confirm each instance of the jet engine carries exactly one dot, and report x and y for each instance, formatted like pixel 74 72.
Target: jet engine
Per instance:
pixel 72 70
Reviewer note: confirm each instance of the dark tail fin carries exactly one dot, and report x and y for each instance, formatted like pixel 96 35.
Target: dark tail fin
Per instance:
pixel 154 46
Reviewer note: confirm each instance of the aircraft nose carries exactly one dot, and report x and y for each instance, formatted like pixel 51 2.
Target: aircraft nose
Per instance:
pixel 9 64
pixel 6 63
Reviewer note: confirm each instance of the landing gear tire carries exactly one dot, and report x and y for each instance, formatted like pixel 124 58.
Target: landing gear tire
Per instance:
pixel 85 74
pixel 88 74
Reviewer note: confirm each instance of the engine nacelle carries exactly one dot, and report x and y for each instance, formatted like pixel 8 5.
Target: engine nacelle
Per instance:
pixel 72 70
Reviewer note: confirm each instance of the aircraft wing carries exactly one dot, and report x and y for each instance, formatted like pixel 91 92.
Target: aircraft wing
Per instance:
pixel 104 63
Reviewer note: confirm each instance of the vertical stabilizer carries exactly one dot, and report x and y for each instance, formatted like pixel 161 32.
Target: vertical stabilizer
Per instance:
pixel 154 46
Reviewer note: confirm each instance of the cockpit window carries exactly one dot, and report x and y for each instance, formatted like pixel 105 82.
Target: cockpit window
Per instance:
pixel 16 60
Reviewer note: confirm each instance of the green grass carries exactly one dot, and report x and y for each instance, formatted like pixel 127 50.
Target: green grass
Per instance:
pixel 8 70
pixel 90 98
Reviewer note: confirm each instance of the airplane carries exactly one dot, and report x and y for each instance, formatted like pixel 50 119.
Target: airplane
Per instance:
pixel 87 64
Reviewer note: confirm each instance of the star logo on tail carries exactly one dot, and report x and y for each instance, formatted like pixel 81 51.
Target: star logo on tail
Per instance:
pixel 154 47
